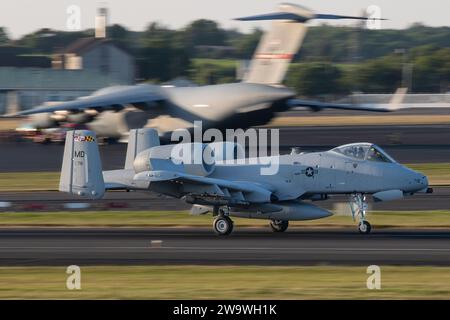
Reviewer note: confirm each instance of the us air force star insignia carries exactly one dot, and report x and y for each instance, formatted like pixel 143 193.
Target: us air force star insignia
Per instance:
pixel 309 172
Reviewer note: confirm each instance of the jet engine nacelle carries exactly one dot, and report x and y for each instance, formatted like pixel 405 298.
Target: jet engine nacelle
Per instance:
pixel 80 118
pixel 42 121
pixel 52 120
pixel 293 211
pixel 190 158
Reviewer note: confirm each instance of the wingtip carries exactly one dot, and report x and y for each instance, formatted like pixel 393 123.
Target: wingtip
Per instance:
pixel 9 116
pixel 13 115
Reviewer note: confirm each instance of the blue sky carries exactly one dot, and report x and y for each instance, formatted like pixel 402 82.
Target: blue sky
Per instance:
pixel 23 16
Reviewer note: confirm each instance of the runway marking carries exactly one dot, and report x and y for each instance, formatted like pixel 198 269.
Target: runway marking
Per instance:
pixel 312 249
pixel 156 243
pixel 230 248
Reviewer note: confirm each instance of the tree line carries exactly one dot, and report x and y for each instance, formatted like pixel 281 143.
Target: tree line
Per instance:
pixel 332 60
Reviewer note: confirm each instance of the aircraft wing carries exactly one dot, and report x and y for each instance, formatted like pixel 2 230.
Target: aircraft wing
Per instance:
pixel 161 175
pixel 240 190
pixel 109 98
pixel 393 105
pixel 318 106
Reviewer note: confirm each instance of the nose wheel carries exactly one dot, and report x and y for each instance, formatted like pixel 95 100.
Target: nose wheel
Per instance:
pixel 358 206
pixel 279 225
pixel 364 227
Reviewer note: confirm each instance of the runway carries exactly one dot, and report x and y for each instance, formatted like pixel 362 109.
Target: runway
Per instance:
pixel 407 144
pixel 194 246
pixel 140 200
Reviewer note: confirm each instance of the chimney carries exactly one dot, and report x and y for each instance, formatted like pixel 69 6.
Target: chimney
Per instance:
pixel 101 22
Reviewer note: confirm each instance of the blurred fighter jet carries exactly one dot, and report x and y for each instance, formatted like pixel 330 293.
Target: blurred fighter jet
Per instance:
pixel 222 181
pixel 113 111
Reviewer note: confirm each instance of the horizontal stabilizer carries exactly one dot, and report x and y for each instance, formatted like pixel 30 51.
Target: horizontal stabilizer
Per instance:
pixel 338 17
pixel 300 14
pixel 275 16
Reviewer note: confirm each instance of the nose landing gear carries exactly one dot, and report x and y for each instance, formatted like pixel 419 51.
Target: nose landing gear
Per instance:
pixel 364 227
pixel 279 225
pixel 358 206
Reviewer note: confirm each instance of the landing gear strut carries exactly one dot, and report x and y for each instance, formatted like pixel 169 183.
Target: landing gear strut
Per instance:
pixel 279 225
pixel 223 225
pixel 358 206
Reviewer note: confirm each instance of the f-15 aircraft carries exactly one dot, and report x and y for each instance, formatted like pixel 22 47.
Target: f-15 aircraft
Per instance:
pixel 230 185
pixel 252 102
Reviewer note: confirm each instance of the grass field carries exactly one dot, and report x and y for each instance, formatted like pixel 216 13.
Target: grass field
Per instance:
pixel 9 124
pixel 391 119
pixel 381 219
pixel 225 282
pixel 29 181
pixel 438 173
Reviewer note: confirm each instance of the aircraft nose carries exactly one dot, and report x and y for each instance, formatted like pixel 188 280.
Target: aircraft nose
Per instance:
pixel 425 180
pixel 418 181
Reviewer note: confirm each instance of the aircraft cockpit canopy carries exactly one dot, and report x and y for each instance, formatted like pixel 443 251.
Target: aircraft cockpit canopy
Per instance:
pixel 364 151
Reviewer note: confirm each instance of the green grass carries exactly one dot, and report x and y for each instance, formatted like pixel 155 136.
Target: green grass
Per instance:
pixel 383 219
pixel 438 173
pixel 224 282
pixel 28 181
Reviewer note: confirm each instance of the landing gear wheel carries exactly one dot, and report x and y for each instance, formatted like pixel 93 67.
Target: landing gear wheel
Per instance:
pixel 358 206
pixel 223 226
pixel 364 227
pixel 279 225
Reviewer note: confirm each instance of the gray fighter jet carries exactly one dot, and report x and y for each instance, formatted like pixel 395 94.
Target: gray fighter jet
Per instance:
pixel 113 111
pixel 228 184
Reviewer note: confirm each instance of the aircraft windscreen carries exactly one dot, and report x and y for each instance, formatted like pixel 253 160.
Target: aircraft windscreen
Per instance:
pixel 377 154
pixel 364 151
pixel 357 151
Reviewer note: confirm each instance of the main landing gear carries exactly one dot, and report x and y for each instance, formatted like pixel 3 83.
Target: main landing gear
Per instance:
pixel 358 206
pixel 223 225
pixel 279 225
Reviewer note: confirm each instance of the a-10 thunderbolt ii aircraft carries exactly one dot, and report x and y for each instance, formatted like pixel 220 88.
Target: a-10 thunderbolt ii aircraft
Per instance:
pixel 113 111
pixel 230 185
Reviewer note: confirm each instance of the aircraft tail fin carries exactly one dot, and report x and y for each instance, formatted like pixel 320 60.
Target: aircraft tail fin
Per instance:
pixel 281 43
pixel 278 45
pixel 81 172
pixel 138 141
